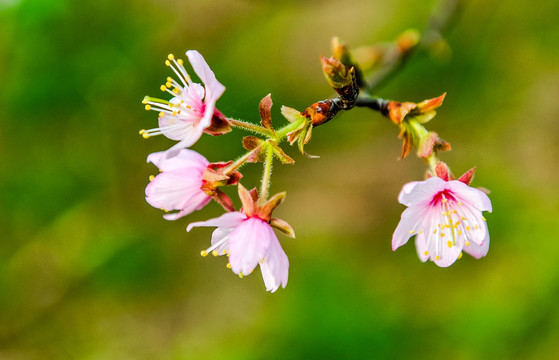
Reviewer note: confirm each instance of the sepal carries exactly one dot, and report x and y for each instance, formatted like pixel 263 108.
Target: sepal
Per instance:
pixel 283 226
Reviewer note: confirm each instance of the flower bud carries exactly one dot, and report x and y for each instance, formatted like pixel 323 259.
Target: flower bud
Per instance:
pixel 337 74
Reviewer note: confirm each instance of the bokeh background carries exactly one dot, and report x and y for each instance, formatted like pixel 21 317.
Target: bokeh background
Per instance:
pixel 88 270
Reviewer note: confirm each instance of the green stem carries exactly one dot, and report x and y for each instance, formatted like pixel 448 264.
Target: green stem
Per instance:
pixel 237 163
pixel 282 132
pixel 266 175
pixel 250 127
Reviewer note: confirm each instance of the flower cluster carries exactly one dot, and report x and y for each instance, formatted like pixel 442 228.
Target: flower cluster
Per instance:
pixel 443 213
pixel 188 181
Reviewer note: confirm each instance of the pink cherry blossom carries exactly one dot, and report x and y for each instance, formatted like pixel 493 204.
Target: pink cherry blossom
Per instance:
pixel 178 185
pixel 446 218
pixel 248 241
pixel 185 117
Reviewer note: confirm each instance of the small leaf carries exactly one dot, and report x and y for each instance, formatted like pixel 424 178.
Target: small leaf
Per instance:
pixel 426 144
pixel 246 200
pixel 397 111
pixel 430 104
pixel 265 112
pixel 283 226
pixel 281 155
pixel 441 170
pixel 265 212
pixel 251 142
pixel 222 199
pixel 468 176
pixel 292 115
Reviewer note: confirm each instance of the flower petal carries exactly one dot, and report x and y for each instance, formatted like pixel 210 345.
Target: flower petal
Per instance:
pixel 421 191
pixel 227 220
pixel 214 89
pixel 471 195
pixel 478 251
pixel 411 223
pixel 189 139
pixel 185 158
pixel 275 267
pixel 248 244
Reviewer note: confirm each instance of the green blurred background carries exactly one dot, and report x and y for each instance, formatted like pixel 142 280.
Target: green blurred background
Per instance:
pixel 88 270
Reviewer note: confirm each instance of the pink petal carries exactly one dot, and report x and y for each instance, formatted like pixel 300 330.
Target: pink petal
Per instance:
pixel 447 255
pixel 227 220
pixel 171 190
pixel 248 244
pixel 197 202
pixel 275 267
pixel 185 158
pixel 214 89
pixel 189 139
pixel 421 247
pixel 478 251
pixel 412 220
pixel 470 195
pixel 420 192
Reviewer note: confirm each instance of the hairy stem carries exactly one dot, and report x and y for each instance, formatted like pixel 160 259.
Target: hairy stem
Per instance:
pixel 266 175
pixel 250 127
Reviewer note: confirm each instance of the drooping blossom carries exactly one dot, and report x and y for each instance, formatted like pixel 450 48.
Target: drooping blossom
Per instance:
pixel 248 239
pixel 178 186
pixel 192 110
pixel 445 216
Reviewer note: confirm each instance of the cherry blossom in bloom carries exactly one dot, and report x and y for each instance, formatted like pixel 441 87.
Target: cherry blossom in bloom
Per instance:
pixel 445 216
pixel 192 109
pixel 248 239
pixel 178 186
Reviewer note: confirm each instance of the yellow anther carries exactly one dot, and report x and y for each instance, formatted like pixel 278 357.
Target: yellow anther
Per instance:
pixel 468 228
pixel 434 232
pixel 463 218
pixel 188 107
pixel 460 256
pixel 170 79
pixel 483 218
pixel 176 91
pixel 180 62
pixel 426 252
pixel 174 113
pixel 444 214
pixel 420 232
pixel 442 234
pixel 145 135
pixel 454 211
pixel 459 203
pixel 411 231
pixel 161 114
pixel 148 107
pixel 204 253
pixel 215 253
pixel 241 275
pixel 228 265
pixel 467 243
pixel 168 84
pixel 142 131
pixel 459 232
pixel 446 226
pixel 476 226
pixel 437 257
pixel 151 177
pixel 449 243
pixel 145 101
pixel 167 62
pixel 170 56
pixel 163 88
